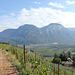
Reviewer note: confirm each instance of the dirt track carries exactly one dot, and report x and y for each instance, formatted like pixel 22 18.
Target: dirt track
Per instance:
pixel 6 66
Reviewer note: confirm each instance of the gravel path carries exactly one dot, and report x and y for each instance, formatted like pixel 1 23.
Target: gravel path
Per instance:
pixel 6 66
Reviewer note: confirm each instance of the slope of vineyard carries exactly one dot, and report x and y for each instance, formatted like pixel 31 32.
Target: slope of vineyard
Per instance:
pixel 34 64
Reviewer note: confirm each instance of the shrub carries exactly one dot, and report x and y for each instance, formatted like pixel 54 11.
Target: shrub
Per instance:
pixel 57 60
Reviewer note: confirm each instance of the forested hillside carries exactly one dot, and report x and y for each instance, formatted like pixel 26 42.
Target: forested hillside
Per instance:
pixel 30 34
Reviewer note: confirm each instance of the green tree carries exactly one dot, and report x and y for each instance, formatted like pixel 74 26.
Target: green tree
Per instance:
pixel 69 54
pixel 74 60
pixel 57 60
pixel 63 57
pixel 55 55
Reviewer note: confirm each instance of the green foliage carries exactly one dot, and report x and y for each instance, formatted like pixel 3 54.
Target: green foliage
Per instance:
pixel 56 55
pixel 63 57
pixel 69 54
pixel 7 50
pixel 41 66
pixel 74 60
pixel 57 60
pixel 4 43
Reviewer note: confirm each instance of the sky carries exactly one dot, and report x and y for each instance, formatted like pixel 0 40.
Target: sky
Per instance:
pixel 14 13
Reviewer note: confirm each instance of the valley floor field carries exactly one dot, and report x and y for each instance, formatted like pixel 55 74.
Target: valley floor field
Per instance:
pixel 49 50
pixel 6 66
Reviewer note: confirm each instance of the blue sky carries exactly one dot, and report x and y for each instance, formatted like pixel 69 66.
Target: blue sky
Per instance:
pixel 14 13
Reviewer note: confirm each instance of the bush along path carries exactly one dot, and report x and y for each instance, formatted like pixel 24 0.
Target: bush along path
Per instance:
pixel 6 66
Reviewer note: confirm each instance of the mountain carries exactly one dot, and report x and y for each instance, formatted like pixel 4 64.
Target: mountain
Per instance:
pixel 71 29
pixel 58 34
pixel 30 34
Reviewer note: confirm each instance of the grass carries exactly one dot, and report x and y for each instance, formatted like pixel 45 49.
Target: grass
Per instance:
pixel 30 67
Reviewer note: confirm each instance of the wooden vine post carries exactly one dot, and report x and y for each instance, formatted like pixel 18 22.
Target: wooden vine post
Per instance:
pixel 16 54
pixel 24 53
pixel 72 72
pixel 24 57
pixel 58 68
pixel 35 56
pixel 54 69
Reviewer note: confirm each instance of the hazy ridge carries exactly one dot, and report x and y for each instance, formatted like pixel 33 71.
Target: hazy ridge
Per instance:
pixel 30 34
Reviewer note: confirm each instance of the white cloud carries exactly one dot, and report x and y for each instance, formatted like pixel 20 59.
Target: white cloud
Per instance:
pixel 70 2
pixel 39 17
pixel 37 2
pixel 56 5
pixel 12 14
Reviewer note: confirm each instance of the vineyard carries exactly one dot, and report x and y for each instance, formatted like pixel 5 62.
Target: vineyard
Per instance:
pixel 30 63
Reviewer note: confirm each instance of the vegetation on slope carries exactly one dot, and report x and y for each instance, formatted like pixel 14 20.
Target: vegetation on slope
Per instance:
pixel 33 65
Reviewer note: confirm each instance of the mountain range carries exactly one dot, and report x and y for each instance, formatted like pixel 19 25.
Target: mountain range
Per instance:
pixel 30 34
pixel 71 29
